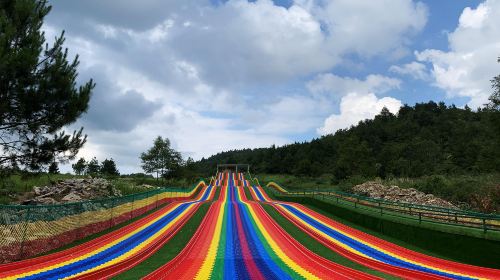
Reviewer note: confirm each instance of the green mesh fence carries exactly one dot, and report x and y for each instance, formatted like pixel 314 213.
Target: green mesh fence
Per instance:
pixel 29 230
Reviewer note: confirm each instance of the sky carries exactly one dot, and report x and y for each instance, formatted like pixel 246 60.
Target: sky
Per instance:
pixel 214 75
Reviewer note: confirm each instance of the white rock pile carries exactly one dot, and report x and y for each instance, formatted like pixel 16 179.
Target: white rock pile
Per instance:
pixel 397 194
pixel 72 190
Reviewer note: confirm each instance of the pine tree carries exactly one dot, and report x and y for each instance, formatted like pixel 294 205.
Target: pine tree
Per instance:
pixel 108 167
pixel 38 91
pixel 53 168
pixel 80 166
pixel 93 167
pixel 495 97
pixel 161 158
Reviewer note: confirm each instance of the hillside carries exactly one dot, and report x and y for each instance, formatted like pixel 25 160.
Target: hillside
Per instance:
pixel 419 140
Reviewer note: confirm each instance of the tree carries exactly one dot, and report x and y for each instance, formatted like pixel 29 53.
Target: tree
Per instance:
pixel 495 97
pixel 38 91
pixel 53 168
pixel 93 167
pixel 161 158
pixel 80 166
pixel 108 167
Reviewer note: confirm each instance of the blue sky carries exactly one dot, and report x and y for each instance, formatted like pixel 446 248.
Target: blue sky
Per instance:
pixel 217 75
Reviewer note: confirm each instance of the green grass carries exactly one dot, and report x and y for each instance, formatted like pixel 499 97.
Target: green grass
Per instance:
pixel 316 247
pixel 248 194
pixel 171 249
pixel 292 182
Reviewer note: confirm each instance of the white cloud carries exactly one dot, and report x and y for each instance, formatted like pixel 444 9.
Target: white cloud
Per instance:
pixel 358 101
pixel 244 42
pixel 466 69
pixel 473 18
pixel 196 60
pixel 364 27
pixel 338 86
pixel 355 107
pixel 416 70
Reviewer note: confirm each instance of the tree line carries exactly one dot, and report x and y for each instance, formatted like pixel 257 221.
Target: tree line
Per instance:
pixel 424 139
pixel 92 167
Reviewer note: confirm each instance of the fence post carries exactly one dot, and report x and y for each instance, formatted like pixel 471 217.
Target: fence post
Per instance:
pixel 381 209
pixel 132 211
pixel 484 225
pixel 419 217
pixel 456 218
pixel 111 223
pixel 28 212
pixel 157 194
pixel 356 203
pixel 79 221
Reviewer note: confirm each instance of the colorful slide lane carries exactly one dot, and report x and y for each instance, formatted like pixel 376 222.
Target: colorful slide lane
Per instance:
pixel 238 240
pixel 113 253
pixel 371 251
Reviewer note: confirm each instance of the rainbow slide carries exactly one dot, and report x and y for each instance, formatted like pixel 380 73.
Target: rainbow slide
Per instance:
pixel 371 251
pixel 238 240
pixel 112 253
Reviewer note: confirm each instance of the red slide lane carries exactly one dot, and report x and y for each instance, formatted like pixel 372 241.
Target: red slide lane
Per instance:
pixel 199 241
pixel 326 268
pixel 380 266
pixel 252 268
pixel 428 260
pixel 118 268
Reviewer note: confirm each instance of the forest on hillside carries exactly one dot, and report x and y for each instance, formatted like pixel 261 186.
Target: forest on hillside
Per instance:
pixel 424 139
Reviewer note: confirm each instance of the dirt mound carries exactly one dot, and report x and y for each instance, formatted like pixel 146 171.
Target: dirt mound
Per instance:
pixel 397 194
pixel 71 190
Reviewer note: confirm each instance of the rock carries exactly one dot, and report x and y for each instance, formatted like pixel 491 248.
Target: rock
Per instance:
pixel 37 190
pixel 71 197
pixel 397 194
pixel 71 190
pixel 46 200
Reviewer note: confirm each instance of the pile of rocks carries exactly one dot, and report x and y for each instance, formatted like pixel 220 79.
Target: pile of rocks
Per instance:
pixel 397 194
pixel 71 190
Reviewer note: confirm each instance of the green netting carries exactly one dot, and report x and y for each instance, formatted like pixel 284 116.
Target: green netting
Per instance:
pixel 29 230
